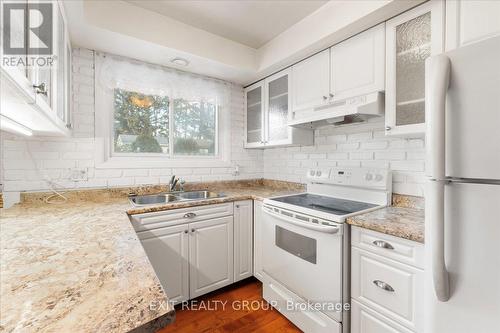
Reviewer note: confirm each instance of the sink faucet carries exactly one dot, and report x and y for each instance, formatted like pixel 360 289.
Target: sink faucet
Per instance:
pixel 173 182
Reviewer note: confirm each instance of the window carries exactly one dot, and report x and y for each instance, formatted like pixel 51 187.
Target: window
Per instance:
pixel 151 116
pixel 142 125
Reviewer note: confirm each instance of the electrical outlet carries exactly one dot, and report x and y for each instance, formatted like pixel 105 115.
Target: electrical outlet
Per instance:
pixel 78 174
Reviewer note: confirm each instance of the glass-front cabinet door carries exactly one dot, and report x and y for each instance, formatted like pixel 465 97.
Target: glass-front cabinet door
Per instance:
pixel 410 39
pixel 254 104
pixel 277 106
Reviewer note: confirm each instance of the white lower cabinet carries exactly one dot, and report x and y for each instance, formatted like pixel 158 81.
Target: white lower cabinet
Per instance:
pixel 167 249
pixel 365 320
pixel 243 232
pixel 257 240
pixel 210 255
pixel 197 250
pixel 386 291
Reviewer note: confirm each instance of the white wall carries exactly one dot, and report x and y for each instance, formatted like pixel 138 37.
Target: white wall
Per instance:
pixel 28 163
pixel 361 145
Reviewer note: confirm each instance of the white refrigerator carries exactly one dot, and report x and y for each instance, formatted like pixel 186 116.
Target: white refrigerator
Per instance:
pixel 462 195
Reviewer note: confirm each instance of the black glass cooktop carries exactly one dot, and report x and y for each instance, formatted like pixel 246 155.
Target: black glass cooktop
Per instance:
pixel 325 204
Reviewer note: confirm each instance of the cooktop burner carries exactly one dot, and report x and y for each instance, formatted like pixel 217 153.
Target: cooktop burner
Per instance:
pixel 325 204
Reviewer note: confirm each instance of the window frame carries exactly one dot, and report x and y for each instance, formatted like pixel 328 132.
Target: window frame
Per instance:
pixel 104 126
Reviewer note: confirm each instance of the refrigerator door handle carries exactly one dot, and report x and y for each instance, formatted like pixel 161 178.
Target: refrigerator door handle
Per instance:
pixel 434 221
pixel 437 80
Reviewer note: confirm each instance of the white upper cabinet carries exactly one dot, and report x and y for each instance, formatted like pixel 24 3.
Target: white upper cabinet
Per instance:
pixel 277 109
pixel 254 105
pixel 358 64
pixel 268 113
pixel 311 82
pixel 36 99
pixel 470 21
pixel 410 39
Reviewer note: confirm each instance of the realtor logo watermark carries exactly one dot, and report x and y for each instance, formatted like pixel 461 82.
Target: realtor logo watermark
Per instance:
pixel 27 34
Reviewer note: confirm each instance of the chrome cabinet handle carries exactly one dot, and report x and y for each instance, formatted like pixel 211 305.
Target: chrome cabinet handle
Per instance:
pixel 331 95
pixel 383 244
pixel 186 231
pixel 193 230
pixel 41 88
pixel 388 128
pixel 189 215
pixel 383 285
pixel 325 98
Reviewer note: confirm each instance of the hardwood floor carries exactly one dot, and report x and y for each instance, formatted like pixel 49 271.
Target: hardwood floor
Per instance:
pixel 237 308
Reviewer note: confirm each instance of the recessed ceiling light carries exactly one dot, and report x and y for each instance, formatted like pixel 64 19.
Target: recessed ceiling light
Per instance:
pixel 180 61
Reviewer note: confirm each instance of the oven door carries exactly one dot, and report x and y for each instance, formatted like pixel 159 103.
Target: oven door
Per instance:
pixel 305 258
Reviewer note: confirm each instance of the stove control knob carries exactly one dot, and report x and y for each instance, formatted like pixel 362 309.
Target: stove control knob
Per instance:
pixel 368 176
pixel 318 173
pixel 312 172
pixel 378 178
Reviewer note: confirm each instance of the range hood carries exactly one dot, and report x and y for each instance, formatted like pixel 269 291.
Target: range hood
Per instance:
pixel 347 111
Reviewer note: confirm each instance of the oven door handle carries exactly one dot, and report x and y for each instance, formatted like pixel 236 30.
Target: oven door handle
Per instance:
pixel 321 228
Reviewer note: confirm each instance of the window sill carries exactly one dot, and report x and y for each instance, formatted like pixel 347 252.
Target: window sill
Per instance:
pixel 155 163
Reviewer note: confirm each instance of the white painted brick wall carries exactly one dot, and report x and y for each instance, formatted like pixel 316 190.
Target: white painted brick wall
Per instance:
pixel 29 164
pixel 361 145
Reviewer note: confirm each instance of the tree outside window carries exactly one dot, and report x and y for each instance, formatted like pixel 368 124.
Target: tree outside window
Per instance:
pixel 141 125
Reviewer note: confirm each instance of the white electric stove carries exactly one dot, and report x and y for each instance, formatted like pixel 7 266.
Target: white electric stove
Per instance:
pixel 306 244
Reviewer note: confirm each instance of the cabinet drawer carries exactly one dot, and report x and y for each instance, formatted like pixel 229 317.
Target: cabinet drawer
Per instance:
pixel 402 250
pixel 165 218
pixel 388 287
pixel 365 320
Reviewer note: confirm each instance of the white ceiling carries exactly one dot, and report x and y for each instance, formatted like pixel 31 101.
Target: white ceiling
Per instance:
pixel 252 23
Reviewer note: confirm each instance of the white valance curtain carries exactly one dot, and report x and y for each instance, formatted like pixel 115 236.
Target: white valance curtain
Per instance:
pixel 127 74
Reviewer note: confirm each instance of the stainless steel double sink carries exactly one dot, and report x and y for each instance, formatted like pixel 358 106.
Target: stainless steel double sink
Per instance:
pixel 162 198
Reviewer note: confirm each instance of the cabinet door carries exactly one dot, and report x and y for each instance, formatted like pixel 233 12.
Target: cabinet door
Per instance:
pixel 391 288
pixel 311 82
pixel 358 64
pixel 243 255
pixel 365 320
pixel 254 122
pixel 257 239
pixel 210 255
pixel 167 250
pixel 42 74
pixel 60 63
pixel 277 109
pixel 410 39
pixel 470 21
pixel 18 39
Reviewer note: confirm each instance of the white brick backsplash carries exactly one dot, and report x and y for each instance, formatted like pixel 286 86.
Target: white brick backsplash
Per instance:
pixel 390 155
pixel 123 181
pixel 78 155
pixel 348 146
pixel 365 155
pixel 108 173
pixel 338 156
pixel 135 173
pixel 357 145
pixel 374 145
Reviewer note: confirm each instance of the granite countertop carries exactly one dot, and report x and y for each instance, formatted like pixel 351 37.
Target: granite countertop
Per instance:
pixel 78 266
pixel 404 219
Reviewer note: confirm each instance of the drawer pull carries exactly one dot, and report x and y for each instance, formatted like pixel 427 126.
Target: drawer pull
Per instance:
pixel 383 244
pixel 189 215
pixel 383 285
